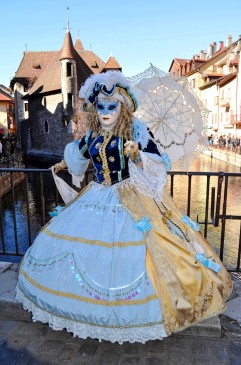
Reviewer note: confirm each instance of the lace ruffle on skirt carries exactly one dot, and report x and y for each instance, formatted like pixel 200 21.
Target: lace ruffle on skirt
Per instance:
pixel 83 330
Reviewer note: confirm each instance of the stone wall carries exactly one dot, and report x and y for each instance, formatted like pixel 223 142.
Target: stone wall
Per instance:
pixel 81 119
pixel 5 181
pixel 48 129
pixel 226 156
pixel 48 134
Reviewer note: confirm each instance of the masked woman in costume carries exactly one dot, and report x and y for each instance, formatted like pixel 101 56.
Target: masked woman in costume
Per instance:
pixel 120 262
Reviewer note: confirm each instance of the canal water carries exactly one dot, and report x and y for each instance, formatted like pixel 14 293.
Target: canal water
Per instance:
pixel 198 199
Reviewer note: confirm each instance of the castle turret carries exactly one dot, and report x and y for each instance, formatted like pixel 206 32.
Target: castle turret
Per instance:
pixel 68 76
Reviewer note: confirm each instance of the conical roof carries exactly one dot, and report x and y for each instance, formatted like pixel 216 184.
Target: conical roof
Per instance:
pixel 78 45
pixel 68 48
pixel 112 64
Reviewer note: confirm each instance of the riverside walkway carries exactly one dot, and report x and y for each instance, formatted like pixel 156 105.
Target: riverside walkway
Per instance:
pixel 216 341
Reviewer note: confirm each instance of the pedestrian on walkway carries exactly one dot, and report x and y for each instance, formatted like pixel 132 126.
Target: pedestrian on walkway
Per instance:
pixel 6 148
pixel 120 262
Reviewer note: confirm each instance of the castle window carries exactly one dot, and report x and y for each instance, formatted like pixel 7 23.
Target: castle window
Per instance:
pixel 46 127
pixel 36 66
pixel 68 69
pixel 26 107
pixel 70 101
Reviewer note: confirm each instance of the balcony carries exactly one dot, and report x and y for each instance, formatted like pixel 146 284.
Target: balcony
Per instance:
pixel 225 102
pixel 235 119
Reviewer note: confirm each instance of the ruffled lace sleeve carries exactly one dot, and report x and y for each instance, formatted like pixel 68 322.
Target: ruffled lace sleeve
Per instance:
pixel 76 162
pixel 151 178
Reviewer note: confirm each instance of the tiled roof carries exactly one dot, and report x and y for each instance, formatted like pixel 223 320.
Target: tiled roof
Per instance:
pixel 78 45
pixel 219 82
pixel 226 79
pixel 213 74
pixel 45 67
pixel 92 60
pixel 68 48
pixel 50 79
pixel 33 64
pixel 6 90
pixel 181 61
pixel 234 62
pixel 112 64
pixel 4 97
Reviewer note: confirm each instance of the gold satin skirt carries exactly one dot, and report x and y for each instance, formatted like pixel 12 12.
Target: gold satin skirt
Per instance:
pixel 188 291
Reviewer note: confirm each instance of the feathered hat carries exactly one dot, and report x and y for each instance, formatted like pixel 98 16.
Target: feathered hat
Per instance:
pixel 110 83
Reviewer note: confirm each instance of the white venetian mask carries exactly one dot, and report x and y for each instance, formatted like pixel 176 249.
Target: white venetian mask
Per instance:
pixel 108 111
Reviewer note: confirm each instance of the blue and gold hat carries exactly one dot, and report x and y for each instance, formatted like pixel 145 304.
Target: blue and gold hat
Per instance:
pixel 111 84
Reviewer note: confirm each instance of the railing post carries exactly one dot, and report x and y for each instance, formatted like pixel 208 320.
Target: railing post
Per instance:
pixel 239 250
pixel 189 195
pixel 1 226
pixel 223 218
pixel 206 207
pixel 42 200
pixel 14 213
pixel 28 212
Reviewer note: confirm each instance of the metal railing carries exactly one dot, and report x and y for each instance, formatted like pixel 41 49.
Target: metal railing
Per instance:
pixel 15 160
pixel 215 210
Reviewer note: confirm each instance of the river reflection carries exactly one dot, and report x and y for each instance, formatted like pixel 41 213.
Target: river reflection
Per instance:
pixel 198 200
pixel 198 204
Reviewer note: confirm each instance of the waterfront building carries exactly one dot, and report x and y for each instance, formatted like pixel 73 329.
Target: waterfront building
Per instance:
pixel 215 77
pixel 46 88
pixel 7 122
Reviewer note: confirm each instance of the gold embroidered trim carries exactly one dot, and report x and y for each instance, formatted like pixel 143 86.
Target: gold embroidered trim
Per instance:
pixel 88 300
pixel 92 323
pixel 102 151
pixel 93 242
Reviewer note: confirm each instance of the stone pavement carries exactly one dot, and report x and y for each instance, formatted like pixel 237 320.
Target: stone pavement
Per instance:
pixel 213 342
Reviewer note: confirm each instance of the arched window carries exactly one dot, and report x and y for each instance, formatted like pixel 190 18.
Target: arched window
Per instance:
pixel 68 69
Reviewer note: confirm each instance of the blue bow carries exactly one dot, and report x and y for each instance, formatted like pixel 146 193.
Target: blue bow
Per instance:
pixel 166 160
pixel 143 225
pixel 208 263
pixel 190 223
pixel 56 212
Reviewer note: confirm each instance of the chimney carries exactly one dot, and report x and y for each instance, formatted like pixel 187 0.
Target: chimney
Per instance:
pixel 221 45
pixel 202 55
pixel 238 48
pixel 214 47
pixel 210 51
pixel 229 40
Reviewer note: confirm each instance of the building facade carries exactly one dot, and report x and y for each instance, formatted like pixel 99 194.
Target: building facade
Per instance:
pixel 217 82
pixel 46 88
pixel 7 120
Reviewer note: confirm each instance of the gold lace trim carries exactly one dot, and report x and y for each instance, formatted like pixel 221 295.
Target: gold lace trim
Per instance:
pixel 102 151
pixel 88 300
pixel 91 323
pixel 93 242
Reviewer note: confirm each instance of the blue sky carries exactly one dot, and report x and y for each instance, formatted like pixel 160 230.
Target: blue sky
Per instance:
pixel 137 32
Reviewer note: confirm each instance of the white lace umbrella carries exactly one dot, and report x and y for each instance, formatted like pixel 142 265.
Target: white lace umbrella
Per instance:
pixel 173 113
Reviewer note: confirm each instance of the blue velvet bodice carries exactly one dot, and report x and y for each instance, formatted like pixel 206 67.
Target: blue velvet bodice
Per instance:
pixel 106 152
